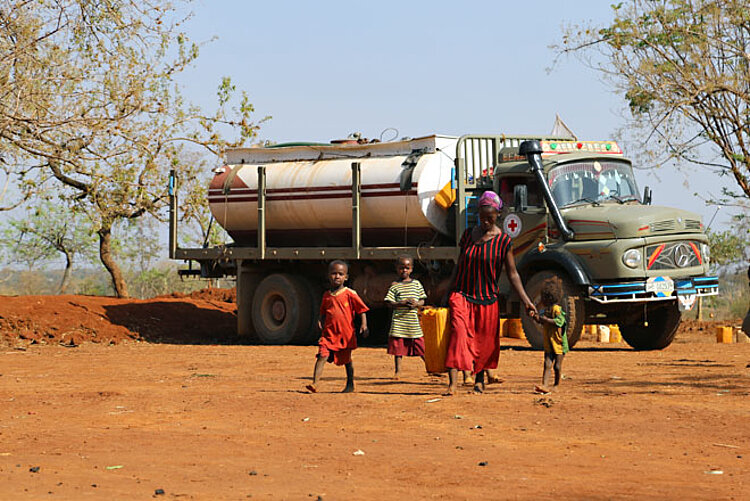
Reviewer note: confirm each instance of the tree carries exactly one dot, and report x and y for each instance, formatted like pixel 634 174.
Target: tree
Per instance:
pixel 731 246
pixel 89 103
pixel 683 67
pixel 47 230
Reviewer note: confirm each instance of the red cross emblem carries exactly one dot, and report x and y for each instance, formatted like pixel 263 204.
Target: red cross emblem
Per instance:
pixel 512 225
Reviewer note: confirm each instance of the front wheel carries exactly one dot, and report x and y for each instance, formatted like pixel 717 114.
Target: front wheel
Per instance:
pixel 655 330
pixel 571 301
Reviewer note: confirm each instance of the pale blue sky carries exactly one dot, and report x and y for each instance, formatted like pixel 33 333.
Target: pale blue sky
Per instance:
pixel 325 69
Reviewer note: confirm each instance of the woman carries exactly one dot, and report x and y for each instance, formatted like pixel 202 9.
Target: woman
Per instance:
pixel 474 345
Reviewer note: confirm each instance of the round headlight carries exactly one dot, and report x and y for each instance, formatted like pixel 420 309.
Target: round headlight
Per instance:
pixel 632 258
pixel 706 251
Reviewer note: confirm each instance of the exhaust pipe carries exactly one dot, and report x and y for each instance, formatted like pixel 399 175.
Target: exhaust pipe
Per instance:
pixel 532 150
pixel 172 190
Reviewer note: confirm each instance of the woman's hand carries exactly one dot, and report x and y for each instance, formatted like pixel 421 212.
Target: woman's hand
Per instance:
pixel 531 310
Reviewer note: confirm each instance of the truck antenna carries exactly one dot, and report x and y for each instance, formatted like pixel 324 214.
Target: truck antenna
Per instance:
pixel 718 208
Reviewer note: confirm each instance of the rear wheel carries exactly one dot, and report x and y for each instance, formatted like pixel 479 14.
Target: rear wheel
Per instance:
pixel 663 321
pixel 282 310
pixel 573 306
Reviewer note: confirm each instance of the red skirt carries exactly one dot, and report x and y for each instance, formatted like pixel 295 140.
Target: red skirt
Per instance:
pixel 337 357
pixel 474 345
pixel 406 346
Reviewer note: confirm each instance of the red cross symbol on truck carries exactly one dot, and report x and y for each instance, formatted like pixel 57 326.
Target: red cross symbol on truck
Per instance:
pixel 512 225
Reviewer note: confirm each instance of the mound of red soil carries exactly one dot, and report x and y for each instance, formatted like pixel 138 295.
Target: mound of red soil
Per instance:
pixel 209 294
pixel 72 320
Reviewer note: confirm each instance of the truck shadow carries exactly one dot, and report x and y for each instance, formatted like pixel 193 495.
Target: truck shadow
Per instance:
pixel 175 322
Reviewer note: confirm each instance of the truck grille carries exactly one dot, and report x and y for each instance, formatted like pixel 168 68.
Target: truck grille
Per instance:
pixel 692 224
pixel 673 255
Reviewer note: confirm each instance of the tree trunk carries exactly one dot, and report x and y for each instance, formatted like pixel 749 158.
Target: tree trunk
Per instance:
pixel 105 254
pixel 66 273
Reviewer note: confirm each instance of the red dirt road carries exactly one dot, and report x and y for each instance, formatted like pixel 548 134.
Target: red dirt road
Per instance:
pixel 231 421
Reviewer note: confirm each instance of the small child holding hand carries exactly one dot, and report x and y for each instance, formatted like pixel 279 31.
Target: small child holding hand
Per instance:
pixel 405 295
pixel 554 324
pixel 337 339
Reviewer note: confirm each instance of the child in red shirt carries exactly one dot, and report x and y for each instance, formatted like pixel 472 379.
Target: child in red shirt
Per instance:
pixel 336 323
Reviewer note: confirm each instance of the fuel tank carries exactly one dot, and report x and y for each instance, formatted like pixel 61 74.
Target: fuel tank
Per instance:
pixel 309 192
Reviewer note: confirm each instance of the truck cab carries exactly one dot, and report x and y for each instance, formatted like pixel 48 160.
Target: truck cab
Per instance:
pixel 575 213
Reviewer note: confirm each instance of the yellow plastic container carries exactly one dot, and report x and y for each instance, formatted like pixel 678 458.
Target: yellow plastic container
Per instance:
pixel 436 327
pixel 514 328
pixel 445 197
pixel 724 335
pixel 589 332
pixel 614 334
pixel 501 327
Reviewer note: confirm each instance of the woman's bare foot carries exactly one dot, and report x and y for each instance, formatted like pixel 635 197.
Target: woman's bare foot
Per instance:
pixel 541 390
pixel 348 389
pixel 478 389
pixel 395 377
pixel 451 391
pixel 494 379
pixel 311 388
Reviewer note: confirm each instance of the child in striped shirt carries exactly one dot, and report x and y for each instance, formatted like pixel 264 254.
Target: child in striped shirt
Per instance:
pixel 405 295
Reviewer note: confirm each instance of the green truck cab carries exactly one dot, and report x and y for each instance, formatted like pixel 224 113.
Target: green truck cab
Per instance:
pixel 574 211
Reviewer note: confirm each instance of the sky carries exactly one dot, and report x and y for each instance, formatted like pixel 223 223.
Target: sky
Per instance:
pixel 322 70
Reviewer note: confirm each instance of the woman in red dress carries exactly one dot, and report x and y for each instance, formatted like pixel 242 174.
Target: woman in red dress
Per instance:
pixel 474 345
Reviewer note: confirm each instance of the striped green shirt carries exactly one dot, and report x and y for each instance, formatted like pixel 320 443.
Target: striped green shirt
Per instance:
pixel 405 321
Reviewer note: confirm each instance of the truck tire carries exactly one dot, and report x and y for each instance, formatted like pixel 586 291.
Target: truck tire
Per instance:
pixel 574 308
pixel 282 310
pixel 663 321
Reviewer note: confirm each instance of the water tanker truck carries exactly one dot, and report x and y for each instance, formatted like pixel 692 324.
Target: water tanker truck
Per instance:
pixel 572 209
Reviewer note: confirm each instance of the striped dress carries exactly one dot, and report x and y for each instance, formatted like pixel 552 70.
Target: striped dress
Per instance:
pixel 405 323
pixel 479 267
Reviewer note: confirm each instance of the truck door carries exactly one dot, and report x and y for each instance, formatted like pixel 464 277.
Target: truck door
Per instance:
pixel 525 221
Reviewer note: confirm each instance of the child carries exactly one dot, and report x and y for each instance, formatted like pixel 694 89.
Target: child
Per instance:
pixel 405 295
pixel 555 327
pixel 336 323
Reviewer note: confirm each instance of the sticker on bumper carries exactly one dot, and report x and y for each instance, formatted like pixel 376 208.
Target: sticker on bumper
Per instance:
pixel 660 286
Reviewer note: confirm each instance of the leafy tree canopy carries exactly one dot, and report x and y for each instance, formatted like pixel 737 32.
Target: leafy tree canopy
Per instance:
pixel 683 67
pixel 89 104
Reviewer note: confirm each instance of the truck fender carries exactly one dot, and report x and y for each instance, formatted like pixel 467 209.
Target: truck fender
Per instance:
pixel 552 258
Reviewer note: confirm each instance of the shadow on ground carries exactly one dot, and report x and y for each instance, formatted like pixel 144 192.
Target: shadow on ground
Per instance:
pixel 174 322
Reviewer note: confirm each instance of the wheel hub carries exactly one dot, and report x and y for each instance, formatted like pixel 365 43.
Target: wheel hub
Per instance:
pixel 278 310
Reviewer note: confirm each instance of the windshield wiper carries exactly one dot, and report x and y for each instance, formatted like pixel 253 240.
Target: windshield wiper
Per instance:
pixel 622 200
pixel 584 199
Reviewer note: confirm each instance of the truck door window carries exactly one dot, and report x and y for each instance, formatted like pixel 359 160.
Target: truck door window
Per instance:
pixel 533 193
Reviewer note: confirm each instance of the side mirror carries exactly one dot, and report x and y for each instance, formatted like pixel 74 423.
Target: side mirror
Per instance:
pixel 520 197
pixel 646 196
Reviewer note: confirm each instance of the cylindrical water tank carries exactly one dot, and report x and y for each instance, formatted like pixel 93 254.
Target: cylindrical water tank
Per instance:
pixel 309 193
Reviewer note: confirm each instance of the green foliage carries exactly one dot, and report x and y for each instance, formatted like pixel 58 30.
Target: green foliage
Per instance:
pixel 89 102
pixel 684 70
pixel 726 247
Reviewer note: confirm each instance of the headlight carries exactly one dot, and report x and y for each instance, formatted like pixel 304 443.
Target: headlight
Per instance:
pixel 706 251
pixel 632 258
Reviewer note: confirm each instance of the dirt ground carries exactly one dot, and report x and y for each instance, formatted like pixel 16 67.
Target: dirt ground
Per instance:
pixel 111 399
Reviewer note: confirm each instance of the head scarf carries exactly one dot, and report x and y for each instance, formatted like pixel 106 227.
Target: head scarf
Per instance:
pixel 490 199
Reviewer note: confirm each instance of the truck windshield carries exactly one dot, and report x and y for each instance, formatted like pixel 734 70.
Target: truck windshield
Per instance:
pixel 592 181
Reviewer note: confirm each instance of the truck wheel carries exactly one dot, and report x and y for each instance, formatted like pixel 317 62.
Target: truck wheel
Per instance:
pixel 282 310
pixel 663 321
pixel 574 308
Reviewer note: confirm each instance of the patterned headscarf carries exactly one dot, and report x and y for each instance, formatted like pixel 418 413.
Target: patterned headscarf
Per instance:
pixel 491 199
